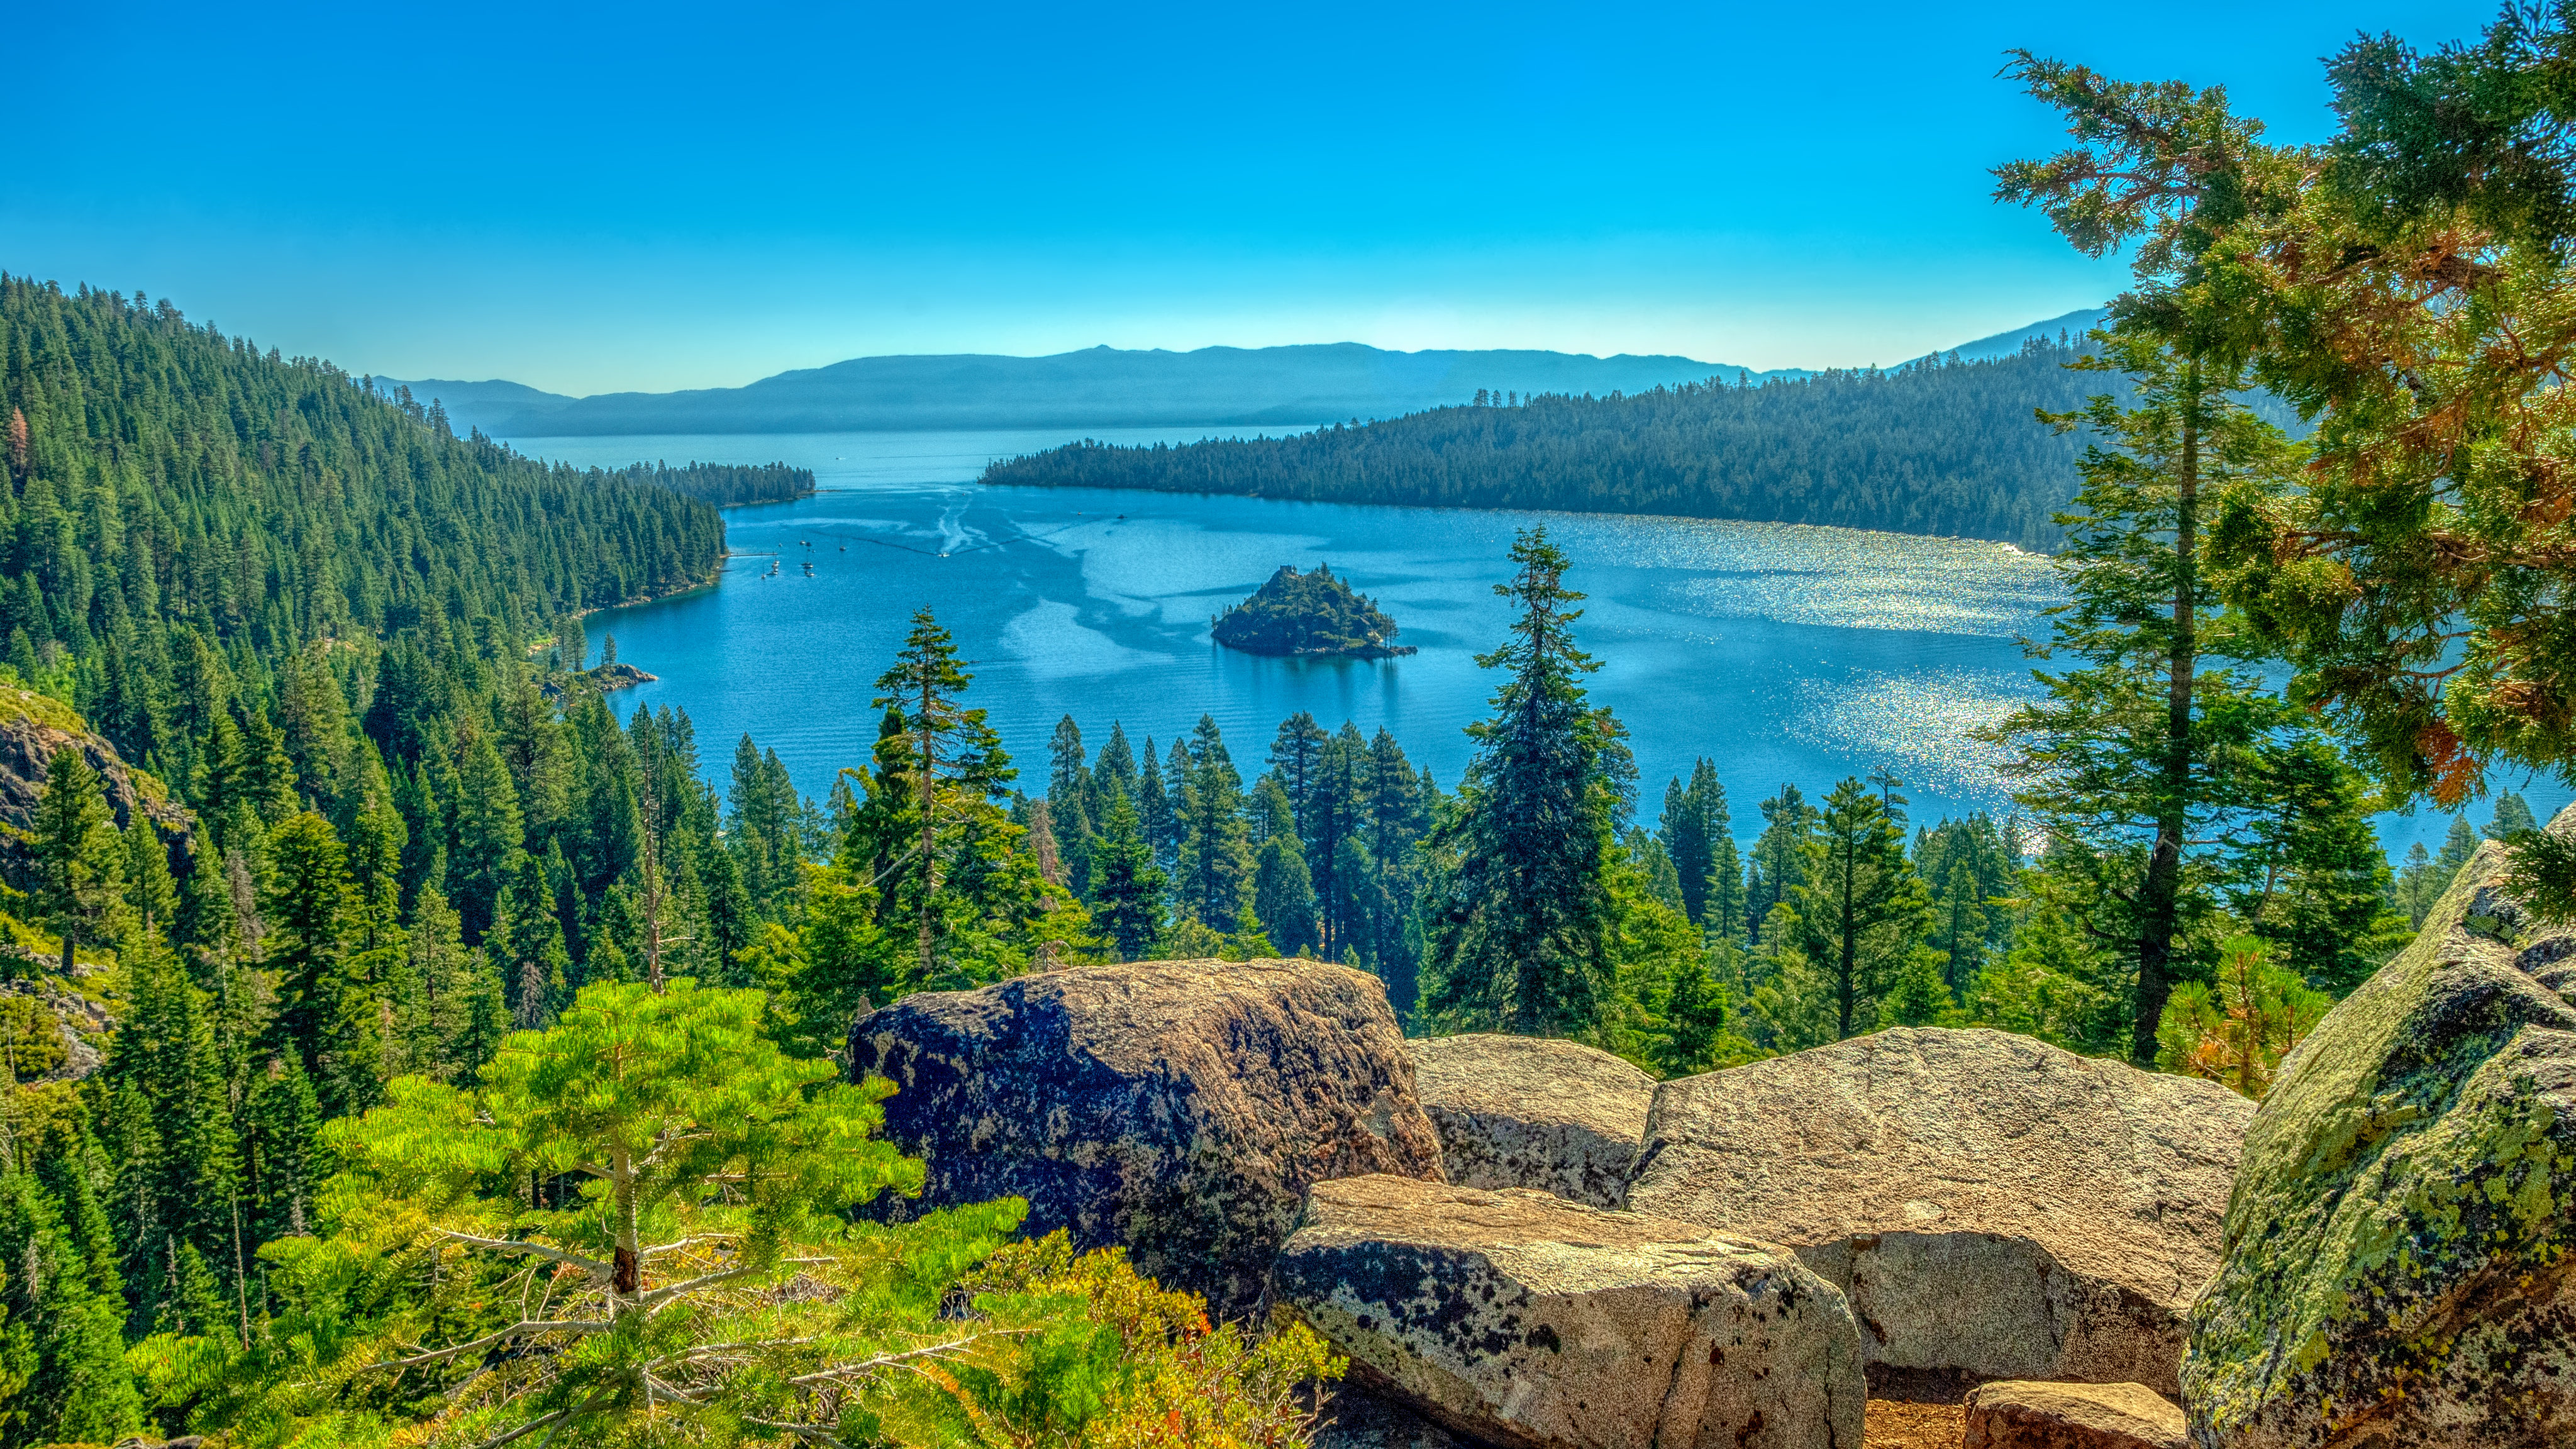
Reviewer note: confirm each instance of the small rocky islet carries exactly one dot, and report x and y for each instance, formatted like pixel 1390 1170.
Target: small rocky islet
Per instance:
pixel 1309 615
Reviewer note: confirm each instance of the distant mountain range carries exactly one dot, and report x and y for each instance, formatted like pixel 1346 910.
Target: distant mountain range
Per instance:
pixel 1102 387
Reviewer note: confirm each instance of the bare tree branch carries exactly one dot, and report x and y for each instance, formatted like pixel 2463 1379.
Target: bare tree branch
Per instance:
pixel 515 1330
pixel 591 1266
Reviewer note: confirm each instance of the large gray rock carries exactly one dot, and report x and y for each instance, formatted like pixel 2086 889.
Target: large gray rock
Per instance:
pixel 1995 1208
pixel 1534 1112
pixel 2401 1250
pixel 1518 1318
pixel 2021 1415
pixel 1177 1108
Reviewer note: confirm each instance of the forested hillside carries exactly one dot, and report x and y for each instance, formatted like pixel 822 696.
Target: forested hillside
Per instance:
pixel 1935 447
pixel 173 488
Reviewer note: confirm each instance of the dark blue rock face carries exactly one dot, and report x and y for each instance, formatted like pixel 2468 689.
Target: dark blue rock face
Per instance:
pixel 1179 1109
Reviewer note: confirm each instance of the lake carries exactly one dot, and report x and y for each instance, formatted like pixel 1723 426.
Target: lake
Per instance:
pixel 1780 652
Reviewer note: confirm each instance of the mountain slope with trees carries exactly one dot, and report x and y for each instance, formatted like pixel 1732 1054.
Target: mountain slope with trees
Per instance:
pixel 1937 447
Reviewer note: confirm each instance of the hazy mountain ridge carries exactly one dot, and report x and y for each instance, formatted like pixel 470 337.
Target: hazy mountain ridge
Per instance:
pixel 1102 387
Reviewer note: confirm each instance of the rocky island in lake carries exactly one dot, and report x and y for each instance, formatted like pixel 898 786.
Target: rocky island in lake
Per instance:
pixel 1308 615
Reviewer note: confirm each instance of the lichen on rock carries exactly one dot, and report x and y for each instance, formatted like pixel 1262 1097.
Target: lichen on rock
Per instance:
pixel 1534 1112
pixel 1995 1207
pixel 1180 1109
pixel 1517 1318
pixel 2397 1266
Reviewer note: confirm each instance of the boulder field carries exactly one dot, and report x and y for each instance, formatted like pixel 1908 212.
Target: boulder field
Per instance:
pixel 2398 1266
pixel 1993 1207
pixel 1525 1244
pixel 1522 1319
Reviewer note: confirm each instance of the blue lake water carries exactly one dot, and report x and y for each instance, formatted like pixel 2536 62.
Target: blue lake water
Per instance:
pixel 1782 653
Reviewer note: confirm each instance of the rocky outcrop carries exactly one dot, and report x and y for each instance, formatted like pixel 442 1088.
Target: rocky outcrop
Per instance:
pixel 1993 1206
pixel 49 1031
pixel 1177 1108
pixel 2398 1263
pixel 33 729
pixel 1518 1318
pixel 2020 1415
pixel 1533 1112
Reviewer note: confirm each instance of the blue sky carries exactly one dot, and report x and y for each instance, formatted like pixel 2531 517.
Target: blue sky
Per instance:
pixel 647 196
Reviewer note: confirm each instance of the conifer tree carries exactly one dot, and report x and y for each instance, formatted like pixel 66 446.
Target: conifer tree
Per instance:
pixel 1154 815
pixel 1128 888
pixel 1725 904
pixel 2309 878
pixel 1115 769
pixel 1069 803
pixel 151 897
pixel 2137 748
pixel 528 939
pixel 2458 844
pixel 1655 868
pixel 328 1011
pixel 1283 894
pixel 1696 1020
pixel 1296 755
pixel 1694 821
pixel 2056 981
pixel 1779 859
pixel 2417 885
pixel 2512 817
pixel 1216 866
pixel 490 838
pixel 1851 927
pixel 78 857
pixel 1178 772
pixel 763 837
pixel 282 1150
pixel 78 1389
pixel 1335 820
pixel 262 772
pixel 181 1153
pixel 1522 918
pixel 2236 1028
pixel 950 768
pixel 1269 813
pixel 1959 927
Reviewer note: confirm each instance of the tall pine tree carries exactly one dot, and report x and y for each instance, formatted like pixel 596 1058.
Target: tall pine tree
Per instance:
pixel 1522 917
